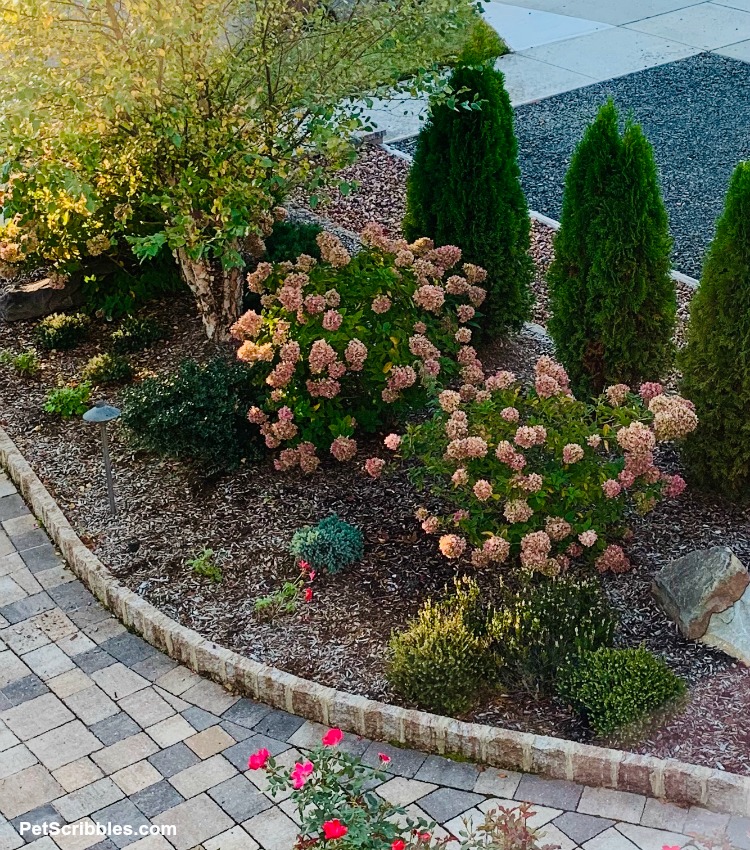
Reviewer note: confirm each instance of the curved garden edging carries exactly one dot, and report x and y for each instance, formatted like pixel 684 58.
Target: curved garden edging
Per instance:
pixel 554 758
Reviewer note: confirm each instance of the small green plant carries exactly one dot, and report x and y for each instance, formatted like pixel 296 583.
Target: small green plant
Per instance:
pixel 441 660
pixel 67 402
pixel 107 369
pixel 614 688
pixel 332 544
pixel 135 334
pixel 482 44
pixel 61 331
pixel 292 238
pixel 26 363
pixel 204 564
pixel 282 601
pixel 543 628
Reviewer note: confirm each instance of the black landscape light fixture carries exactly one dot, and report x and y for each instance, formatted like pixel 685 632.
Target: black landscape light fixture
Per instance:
pixel 102 414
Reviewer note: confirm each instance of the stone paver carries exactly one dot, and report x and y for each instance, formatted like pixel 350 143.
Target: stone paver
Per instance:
pixel 98 727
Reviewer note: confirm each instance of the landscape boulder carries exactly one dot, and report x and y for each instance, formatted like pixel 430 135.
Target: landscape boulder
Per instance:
pixel 701 584
pixel 38 298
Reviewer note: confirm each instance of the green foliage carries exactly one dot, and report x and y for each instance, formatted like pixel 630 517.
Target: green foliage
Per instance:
pixel 715 360
pixel 530 473
pixel 332 544
pixel 616 687
pixel 135 334
pixel 128 287
pixel 61 331
pixel 26 363
pixel 482 44
pixel 282 601
pixel 196 413
pixel 464 189
pixel 439 661
pixel 204 564
pixel 544 628
pixel 289 239
pixel 107 369
pixel 612 299
pixel 67 402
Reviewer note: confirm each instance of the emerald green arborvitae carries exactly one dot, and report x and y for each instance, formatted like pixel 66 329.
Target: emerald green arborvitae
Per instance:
pixel 716 359
pixel 612 299
pixel 464 189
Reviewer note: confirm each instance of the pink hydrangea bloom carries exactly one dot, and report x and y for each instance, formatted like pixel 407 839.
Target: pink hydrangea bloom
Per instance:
pixel 636 437
pixel 500 381
pixel 557 528
pixel 474 274
pixel 510 414
pixel 374 466
pixel 431 525
pixel 588 538
pixel 460 477
pixel 463 336
pixel 429 297
pixel 452 546
pixel 611 488
pixel 355 355
pixel 517 510
pixel 617 394
pixel 343 448
pixel 421 347
pixel 535 549
pixel 449 400
pixel 649 390
pixel 594 441
pixel 314 304
pixel 482 490
pixel 381 304
pixel 332 297
pixel 392 442
pixel 613 559
pixel 248 326
pixel 332 250
pixel 496 549
pixel 572 453
pixel 675 486
pixel 332 320
pixel 465 313
pixel 456 285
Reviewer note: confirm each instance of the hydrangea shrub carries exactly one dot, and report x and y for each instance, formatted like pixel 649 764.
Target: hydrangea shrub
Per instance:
pixel 349 343
pixel 530 472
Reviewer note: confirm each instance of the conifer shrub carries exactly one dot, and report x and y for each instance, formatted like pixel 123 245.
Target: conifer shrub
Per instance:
pixel 135 334
pixel 612 299
pixel 107 369
pixel 715 360
pixel 61 331
pixel 332 544
pixel 464 189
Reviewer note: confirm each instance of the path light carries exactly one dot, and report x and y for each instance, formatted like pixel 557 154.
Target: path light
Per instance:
pixel 103 413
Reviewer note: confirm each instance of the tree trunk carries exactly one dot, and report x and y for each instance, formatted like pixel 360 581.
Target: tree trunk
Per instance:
pixel 217 291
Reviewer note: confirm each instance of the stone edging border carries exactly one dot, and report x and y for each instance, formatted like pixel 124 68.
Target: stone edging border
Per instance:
pixel 553 758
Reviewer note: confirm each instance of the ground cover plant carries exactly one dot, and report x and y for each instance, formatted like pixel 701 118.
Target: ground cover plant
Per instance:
pixel 351 342
pixel 61 331
pixel 612 299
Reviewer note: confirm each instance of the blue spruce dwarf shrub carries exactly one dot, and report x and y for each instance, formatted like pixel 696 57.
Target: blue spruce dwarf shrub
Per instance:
pixel 332 544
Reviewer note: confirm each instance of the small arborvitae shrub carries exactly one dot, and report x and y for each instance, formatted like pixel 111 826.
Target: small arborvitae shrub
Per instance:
pixel 441 660
pixel 612 299
pixel 135 334
pixel 197 413
pixel 61 331
pixel 714 362
pixel 290 239
pixel 67 402
pixel 464 189
pixel 107 369
pixel 332 544
pixel 614 688
pixel 542 629
pixel 26 363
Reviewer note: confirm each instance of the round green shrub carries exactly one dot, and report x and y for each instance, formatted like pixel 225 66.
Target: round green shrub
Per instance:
pixel 107 369
pixel 289 239
pixel 196 413
pixel 441 660
pixel 61 331
pixel 542 629
pixel 612 299
pixel 714 361
pixel 332 544
pixel 616 687
pixel 464 189
pixel 135 334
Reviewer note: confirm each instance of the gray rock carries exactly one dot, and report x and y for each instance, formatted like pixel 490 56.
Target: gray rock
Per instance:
pixel 702 583
pixel 39 298
pixel 729 630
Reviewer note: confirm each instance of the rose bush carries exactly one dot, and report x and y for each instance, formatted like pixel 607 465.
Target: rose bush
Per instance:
pixel 352 342
pixel 534 474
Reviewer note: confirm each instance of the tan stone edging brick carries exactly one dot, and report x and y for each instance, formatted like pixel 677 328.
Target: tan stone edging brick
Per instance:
pixel 555 758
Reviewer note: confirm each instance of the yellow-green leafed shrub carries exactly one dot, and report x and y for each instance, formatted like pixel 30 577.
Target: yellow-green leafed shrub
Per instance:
pixel 441 660
pixel 616 687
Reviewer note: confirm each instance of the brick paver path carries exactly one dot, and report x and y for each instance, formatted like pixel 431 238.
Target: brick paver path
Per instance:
pixel 98 726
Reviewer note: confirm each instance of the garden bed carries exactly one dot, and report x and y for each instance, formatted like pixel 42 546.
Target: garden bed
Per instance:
pixel 168 514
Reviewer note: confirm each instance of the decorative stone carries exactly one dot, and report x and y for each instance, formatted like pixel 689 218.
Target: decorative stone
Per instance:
pixel 39 298
pixel 729 630
pixel 702 583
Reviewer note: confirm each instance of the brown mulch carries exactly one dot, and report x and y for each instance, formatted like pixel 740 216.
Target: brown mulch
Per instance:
pixel 167 514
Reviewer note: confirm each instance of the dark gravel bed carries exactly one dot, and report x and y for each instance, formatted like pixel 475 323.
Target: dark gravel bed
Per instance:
pixel 695 112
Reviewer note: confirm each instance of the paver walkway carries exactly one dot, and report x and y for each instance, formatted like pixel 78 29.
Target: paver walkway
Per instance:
pixel 96 726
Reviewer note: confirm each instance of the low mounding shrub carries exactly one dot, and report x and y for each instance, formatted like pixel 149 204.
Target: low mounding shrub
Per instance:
pixel 332 544
pixel 67 402
pixel 616 687
pixel 135 334
pixel 530 472
pixel 441 660
pixel 351 342
pixel 195 414
pixel 107 369
pixel 543 629
pixel 61 331
pixel 714 361
pixel 289 239
pixel 26 363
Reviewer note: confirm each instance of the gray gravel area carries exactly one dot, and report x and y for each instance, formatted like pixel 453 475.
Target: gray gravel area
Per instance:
pixel 696 112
